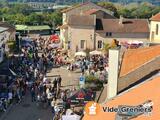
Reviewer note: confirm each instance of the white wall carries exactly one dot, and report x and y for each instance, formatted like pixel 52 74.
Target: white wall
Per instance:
pixel 113 73
pixel 156 38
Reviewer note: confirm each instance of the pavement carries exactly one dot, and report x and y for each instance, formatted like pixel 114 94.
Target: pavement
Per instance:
pixel 103 95
pixel 69 79
pixel 28 110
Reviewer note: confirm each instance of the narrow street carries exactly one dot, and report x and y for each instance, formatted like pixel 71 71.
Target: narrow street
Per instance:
pixel 28 110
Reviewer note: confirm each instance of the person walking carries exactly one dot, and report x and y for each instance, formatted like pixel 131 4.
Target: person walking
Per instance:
pixel 55 83
pixel 59 80
pixel 52 106
pixel 33 93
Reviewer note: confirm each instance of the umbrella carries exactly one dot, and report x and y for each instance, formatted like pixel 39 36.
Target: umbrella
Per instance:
pixel 71 117
pixel 81 96
pixel 80 54
pixel 135 42
pixel 95 52
pixel 54 38
pixel 55 45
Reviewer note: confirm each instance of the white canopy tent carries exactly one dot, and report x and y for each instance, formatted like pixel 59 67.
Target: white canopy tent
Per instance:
pixel 71 117
pixel 135 42
pixel 95 52
pixel 80 54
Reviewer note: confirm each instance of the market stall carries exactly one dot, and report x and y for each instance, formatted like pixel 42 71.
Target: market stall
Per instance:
pixel 95 52
pixel 80 97
pixel 81 54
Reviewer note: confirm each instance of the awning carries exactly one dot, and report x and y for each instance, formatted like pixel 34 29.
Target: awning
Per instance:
pixel 95 52
pixel 80 54
pixel 81 96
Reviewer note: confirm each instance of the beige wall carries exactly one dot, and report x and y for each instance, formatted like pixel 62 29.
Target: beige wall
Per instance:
pixel 64 20
pixel 123 37
pixel 76 34
pixel 153 37
pixel 64 37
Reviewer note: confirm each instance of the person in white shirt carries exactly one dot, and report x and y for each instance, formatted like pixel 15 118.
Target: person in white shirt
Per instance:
pixel 10 96
pixel 52 105
pixel 44 79
pixel 35 73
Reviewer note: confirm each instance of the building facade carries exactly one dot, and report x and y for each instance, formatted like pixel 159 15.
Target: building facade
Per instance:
pixel 84 9
pixel 89 26
pixel 155 29
pixel 4 37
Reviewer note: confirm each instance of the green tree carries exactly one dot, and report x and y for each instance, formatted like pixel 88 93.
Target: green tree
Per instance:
pixel 56 17
pixel 143 11
pixel 20 19
pixel 124 12
pixel 109 6
pixel 20 8
pixel 34 18
pixel 4 3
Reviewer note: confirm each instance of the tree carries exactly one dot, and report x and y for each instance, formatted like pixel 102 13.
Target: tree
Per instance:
pixel 4 3
pixel 20 19
pixel 109 6
pixel 20 8
pixel 143 11
pixel 34 18
pixel 56 17
pixel 124 12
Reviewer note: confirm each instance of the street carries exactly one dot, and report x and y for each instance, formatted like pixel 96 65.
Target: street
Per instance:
pixel 28 110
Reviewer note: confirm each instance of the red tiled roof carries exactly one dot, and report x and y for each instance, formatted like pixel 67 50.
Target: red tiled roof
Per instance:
pixel 87 4
pixel 81 20
pixel 91 11
pixel 156 17
pixel 140 94
pixel 127 26
pixel 75 6
pixel 10 27
pixel 135 58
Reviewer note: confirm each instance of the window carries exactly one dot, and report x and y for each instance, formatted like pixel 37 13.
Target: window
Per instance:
pixel 69 44
pixel 157 28
pixel 82 44
pixel 108 34
pixel 100 43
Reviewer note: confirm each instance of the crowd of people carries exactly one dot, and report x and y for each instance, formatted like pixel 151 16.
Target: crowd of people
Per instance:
pixel 30 67
pixel 95 65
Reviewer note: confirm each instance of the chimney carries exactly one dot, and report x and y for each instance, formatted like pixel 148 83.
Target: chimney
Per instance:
pixel 121 20
pixel 113 73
